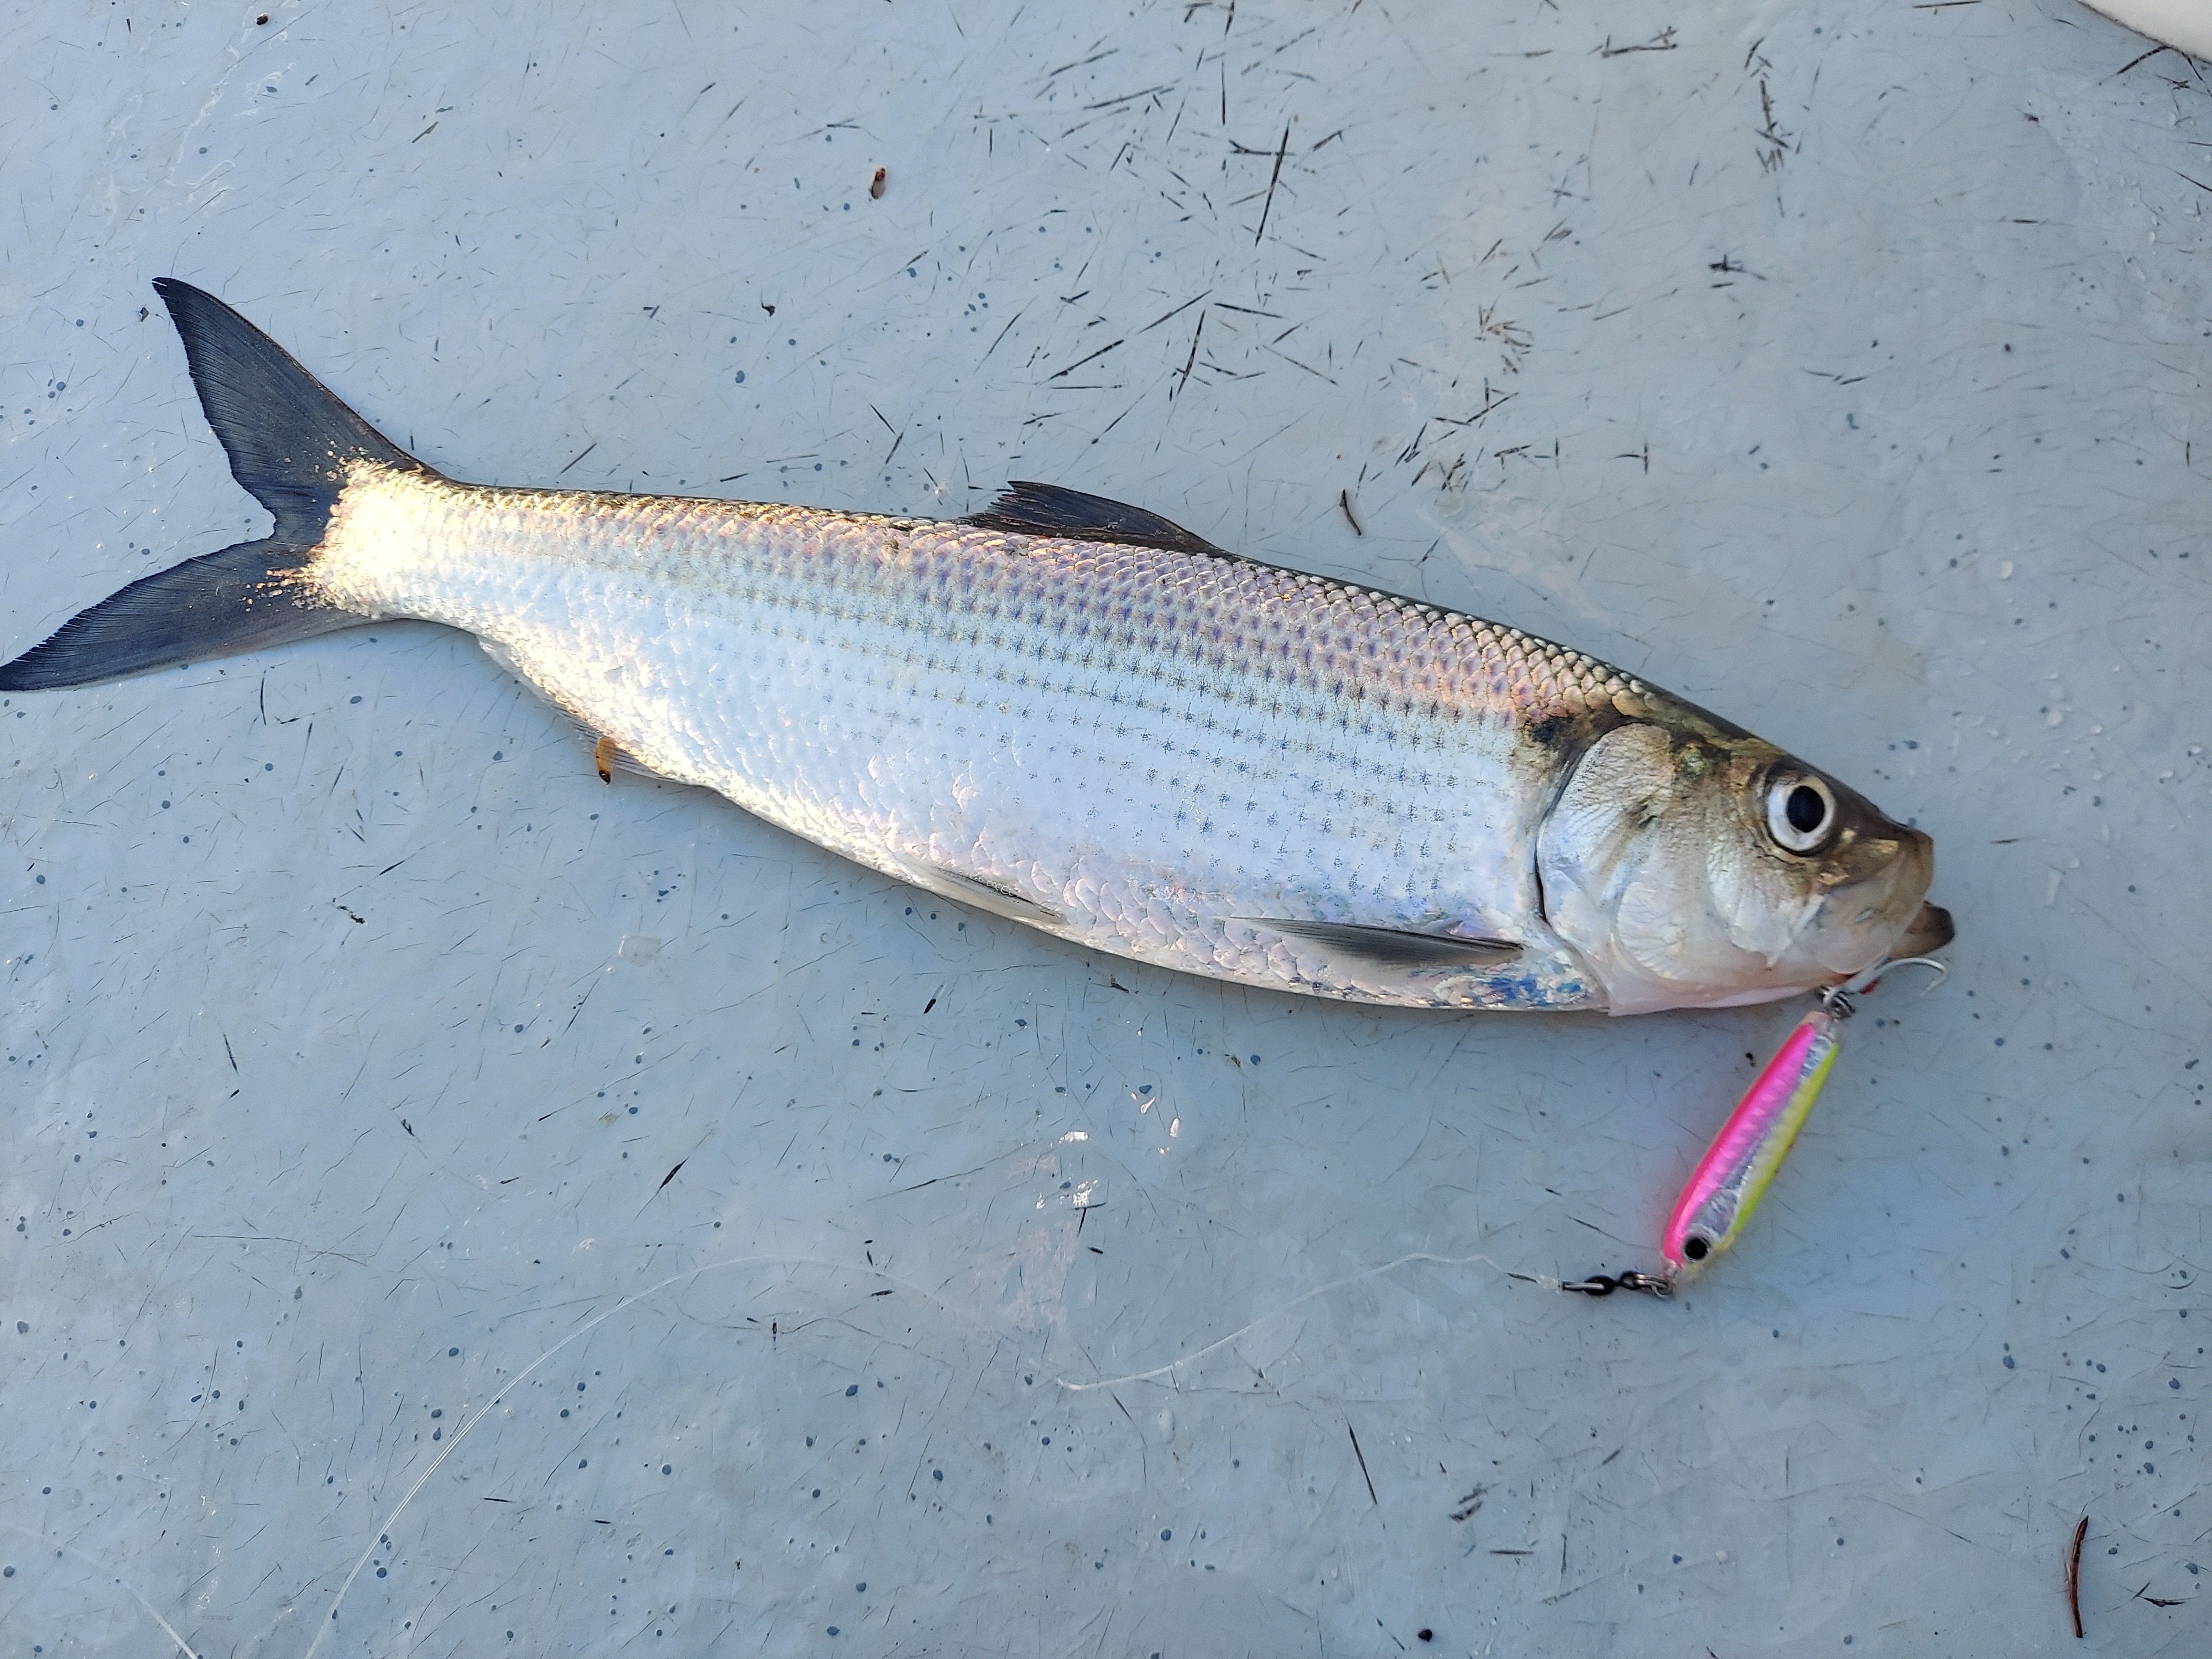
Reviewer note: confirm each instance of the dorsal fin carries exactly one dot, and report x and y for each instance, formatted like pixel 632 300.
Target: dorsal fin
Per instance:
pixel 1028 508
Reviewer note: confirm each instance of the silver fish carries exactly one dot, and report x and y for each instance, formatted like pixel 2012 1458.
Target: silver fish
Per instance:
pixel 1076 714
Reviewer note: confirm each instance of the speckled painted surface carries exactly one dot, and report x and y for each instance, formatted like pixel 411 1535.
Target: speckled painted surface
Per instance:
pixel 369 1066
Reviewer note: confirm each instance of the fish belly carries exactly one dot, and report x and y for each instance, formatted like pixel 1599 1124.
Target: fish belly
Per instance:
pixel 1149 752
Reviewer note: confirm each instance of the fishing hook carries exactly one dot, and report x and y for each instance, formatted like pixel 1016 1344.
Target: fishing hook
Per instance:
pixel 1842 1000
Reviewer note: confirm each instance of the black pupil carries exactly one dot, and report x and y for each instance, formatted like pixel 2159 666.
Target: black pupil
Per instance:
pixel 1695 1247
pixel 1805 809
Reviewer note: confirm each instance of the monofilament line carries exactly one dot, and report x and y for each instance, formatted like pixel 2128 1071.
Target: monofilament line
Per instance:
pixel 1303 1296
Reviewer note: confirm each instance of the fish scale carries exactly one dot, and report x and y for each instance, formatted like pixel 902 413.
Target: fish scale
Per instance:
pixel 1157 748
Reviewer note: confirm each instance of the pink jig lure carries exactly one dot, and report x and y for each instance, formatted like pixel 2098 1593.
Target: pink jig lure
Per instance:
pixel 1733 1176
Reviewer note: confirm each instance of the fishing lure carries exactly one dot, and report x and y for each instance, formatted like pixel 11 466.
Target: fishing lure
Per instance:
pixel 1733 1176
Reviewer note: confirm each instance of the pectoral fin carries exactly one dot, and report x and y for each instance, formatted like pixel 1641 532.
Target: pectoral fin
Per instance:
pixel 988 895
pixel 1392 948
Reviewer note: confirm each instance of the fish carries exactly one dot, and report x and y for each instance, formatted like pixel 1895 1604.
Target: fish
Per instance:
pixel 1074 713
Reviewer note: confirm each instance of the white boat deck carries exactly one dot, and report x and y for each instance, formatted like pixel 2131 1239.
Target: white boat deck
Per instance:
pixel 447 1197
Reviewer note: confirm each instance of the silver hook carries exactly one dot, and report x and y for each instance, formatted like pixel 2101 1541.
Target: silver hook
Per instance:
pixel 1842 1000
pixel 1942 969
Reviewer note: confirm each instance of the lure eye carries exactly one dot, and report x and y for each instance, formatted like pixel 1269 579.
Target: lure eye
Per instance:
pixel 1697 1247
pixel 1801 812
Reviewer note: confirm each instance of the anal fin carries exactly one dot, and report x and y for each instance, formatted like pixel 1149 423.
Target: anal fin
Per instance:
pixel 609 757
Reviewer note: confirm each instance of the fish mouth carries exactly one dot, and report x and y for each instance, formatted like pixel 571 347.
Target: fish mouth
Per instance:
pixel 1931 931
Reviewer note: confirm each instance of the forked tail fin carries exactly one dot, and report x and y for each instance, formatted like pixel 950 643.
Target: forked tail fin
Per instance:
pixel 288 440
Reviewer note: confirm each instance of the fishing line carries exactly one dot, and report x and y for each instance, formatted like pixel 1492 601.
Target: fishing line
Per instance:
pixel 585 1329
pixel 183 1646
pixel 468 1425
pixel 1538 1280
pixel 1837 1004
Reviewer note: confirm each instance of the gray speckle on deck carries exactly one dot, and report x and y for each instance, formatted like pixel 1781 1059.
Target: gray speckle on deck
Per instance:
pixel 718 1234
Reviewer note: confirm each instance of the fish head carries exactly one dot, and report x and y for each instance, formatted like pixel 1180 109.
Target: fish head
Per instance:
pixel 1690 864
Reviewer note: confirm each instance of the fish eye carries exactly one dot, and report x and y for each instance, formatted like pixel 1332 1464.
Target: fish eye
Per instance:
pixel 1697 1247
pixel 1801 812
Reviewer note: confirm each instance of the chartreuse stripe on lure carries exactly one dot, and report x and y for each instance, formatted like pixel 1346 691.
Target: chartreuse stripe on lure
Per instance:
pixel 1075 715
pixel 1732 1176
